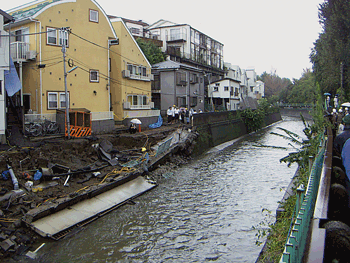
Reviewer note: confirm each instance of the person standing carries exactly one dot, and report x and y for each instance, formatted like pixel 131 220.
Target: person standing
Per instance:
pixel 170 115
pixel 176 114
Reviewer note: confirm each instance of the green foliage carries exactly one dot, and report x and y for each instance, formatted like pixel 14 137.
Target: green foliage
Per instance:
pixel 152 52
pixel 302 90
pixel 273 83
pixel 253 119
pixel 331 51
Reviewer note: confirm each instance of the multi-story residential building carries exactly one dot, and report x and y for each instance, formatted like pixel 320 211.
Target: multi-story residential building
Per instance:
pixel 131 74
pixel 184 44
pixel 40 31
pixel 177 84
pixel 5 18
pixel 138 29
pixel 227 93
pixel 255 88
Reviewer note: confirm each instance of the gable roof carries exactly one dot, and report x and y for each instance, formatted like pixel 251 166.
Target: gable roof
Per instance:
pixel 169 64
pixel 7 17
pixel 119 19
pixel 33 9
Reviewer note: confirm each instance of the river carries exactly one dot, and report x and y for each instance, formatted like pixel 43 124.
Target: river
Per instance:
pixel 203 211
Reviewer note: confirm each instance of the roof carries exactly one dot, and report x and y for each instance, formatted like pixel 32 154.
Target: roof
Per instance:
pixel 7 17
pixel 30 10
pixel 169 64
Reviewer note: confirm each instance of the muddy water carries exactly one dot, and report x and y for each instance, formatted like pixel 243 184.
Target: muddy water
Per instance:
pixel 203 211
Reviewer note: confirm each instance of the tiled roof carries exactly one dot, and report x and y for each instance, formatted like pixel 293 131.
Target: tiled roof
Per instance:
pixel 26 13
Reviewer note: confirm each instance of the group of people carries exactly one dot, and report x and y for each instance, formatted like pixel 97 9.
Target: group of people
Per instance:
pixel 177 115
pixel 341 144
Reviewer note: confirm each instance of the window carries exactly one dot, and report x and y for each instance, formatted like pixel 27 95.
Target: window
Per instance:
pixel 137 100
pixel 226 88
pixel 93 17
pixel 181 78
pixel 193 101
pixel 94 76
pixel 137 70
pixel 51 36
pixel 236 92
pixel 0 85
pixel 57 37
pixel 56 100
pixel 216 88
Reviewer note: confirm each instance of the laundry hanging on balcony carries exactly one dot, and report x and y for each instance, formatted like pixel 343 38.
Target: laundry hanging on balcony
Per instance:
pixel 12 82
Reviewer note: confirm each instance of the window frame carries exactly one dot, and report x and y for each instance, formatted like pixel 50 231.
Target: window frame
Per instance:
pixel 93 11
pixel 97 76
pixel 59 95
pixel 59 37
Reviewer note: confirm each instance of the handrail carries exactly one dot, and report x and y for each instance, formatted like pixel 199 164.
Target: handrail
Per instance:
pixel 296 241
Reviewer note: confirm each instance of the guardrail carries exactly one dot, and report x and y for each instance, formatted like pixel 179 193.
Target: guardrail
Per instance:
pixel 298 234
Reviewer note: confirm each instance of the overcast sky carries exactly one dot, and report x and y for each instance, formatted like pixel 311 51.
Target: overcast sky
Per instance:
pixel 269 35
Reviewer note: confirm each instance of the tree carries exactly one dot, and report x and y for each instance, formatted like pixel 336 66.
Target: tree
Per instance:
pixel 331 52
pixel 303 90
pixel 274 85
pixel 152 52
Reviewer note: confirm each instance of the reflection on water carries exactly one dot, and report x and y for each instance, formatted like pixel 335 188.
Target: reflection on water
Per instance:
pixel 203 212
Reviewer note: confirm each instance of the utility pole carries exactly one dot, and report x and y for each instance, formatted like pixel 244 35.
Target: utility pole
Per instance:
pixel 341 82
pixel 65 31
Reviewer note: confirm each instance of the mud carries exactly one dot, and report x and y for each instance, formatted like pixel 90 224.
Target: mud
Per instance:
pixel 77 155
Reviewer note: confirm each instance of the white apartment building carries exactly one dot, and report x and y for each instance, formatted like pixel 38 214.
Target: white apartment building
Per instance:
pixel 185 44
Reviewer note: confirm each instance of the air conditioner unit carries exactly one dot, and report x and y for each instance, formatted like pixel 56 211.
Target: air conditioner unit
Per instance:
pixel 126 73
pixel 31 54
pixel 151 104
pixel 113 42
pixel 126 105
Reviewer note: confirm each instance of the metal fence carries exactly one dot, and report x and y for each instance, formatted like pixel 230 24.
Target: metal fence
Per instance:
pixel 164 146
pixel 296 242
pixel 39 118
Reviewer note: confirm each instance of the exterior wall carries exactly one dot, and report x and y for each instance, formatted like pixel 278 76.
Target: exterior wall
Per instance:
pixel 231 97
pixel 208 52
pixel 171 93
pixel 37 82
pixel 4 65
pixel 121 87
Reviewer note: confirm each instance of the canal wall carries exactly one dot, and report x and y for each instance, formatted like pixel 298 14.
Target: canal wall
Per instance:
pixel 215 128
pixel 295 112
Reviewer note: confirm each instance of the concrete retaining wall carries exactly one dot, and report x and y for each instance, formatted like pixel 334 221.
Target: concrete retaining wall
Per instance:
pixel 213 134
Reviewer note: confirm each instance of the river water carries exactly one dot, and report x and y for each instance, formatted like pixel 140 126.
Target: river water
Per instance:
pixel 203 211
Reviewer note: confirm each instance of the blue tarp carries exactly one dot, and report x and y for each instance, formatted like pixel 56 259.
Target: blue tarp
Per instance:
pixel 12 82
pixel 157 124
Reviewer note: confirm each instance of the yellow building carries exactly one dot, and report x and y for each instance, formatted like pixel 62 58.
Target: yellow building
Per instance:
pixel 40 30
pixel 130 78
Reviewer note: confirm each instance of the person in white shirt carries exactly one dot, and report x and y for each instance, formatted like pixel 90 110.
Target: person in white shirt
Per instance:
pixel 170 115
pixel 177 111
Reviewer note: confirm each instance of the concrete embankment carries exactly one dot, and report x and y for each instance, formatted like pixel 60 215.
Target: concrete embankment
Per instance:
pixel 220 127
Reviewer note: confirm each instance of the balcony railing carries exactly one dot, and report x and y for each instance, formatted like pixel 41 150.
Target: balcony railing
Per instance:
pixel 148 77
pixel 19 51
pixel 176 37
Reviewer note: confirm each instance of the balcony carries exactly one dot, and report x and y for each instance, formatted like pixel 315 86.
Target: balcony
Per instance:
pixel 129 75
pixel 20 52
pixel 176 38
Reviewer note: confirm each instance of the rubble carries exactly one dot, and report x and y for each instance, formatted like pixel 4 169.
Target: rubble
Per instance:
pixel 84 165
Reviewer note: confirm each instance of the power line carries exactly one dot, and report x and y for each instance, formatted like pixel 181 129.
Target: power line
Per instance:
pixel 106 76
pixel 29 34
pixel 93 43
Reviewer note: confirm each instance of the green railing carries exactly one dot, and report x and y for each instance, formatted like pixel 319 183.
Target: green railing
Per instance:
pixel 298 233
